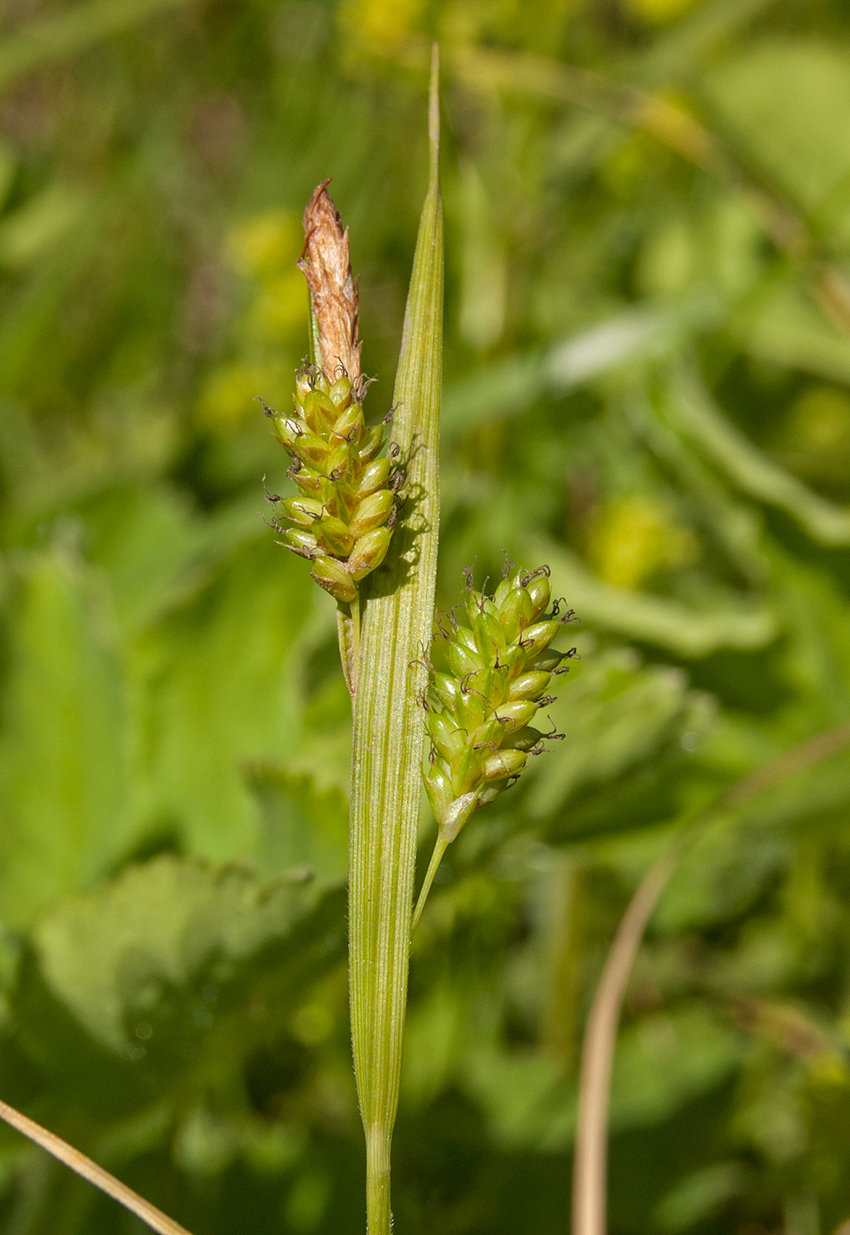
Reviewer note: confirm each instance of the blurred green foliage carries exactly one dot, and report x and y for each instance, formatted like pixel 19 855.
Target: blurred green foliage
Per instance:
pixel 648 386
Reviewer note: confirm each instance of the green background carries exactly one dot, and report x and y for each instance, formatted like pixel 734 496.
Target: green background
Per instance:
pixel 647 387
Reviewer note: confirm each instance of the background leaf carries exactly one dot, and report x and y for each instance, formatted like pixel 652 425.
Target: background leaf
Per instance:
pixel 646 386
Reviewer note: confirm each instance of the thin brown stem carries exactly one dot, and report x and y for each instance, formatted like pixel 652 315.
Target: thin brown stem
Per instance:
pixel 591 1153
pixel 591 1149
pixel 70 1157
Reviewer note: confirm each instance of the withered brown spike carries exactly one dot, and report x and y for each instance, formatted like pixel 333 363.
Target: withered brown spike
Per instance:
pixel 326 264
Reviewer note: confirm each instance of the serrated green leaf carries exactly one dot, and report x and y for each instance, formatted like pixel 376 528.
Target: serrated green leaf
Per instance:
pixel 618 716
pixel 108 955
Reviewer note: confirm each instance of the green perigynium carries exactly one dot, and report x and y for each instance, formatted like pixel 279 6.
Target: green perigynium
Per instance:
pixel 499 666
pixel 346 508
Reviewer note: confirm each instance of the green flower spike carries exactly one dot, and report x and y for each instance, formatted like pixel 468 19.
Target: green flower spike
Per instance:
pixel 499 664
pixel 345 511
pixel 346 507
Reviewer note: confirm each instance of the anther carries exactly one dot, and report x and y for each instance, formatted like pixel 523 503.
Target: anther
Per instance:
pixel 269 411
pixel 438 622
pixel 360 386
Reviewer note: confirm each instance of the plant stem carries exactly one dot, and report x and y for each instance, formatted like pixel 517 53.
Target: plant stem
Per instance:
pixel 591 1151
pixel 72 1158
pixel 440 847
pixel 378 1213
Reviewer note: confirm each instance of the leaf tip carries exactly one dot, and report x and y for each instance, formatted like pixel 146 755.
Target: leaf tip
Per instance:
pixel 434 109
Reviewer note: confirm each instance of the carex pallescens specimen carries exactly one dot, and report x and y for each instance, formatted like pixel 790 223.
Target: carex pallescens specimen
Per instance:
pixel 346 507
pixel 499 664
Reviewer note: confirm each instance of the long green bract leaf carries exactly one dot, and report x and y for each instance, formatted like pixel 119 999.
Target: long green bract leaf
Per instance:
pixel 388 727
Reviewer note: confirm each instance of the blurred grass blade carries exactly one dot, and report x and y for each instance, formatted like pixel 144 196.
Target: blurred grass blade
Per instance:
pixel 67 33
pixel 388 728
pixel 685 630
pixel 70 1157
pixel 751 471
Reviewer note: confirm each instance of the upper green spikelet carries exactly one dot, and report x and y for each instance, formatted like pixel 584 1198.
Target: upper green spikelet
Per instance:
pixel 345 511
pixel 346 508
pixel 480 709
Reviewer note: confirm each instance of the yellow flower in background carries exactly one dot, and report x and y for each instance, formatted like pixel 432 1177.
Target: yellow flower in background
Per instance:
pixel 815 439
pixel 382 24
pixel 266 244
pixel 279 309
pixel 228 398
pixel 633 539
pixel 820 420
pixel 269 334
pixel 657 12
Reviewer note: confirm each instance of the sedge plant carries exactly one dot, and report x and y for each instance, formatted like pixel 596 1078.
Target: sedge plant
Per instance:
pixel 456 716
pixel 381 569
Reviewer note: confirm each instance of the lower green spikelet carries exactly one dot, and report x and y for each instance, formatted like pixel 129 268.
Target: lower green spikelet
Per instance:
pixel 479 709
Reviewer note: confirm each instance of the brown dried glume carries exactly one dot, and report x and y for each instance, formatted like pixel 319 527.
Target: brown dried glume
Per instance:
pixel 326 263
